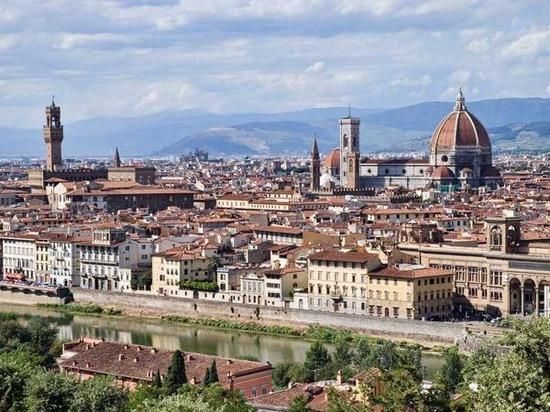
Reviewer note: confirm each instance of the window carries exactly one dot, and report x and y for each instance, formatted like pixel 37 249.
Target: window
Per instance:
pixel 444 158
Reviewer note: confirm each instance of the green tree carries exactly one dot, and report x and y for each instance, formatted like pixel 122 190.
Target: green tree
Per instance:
pixel 50 391
pixel 211 375
pixel 176 375
pixel 317 358
pixel 42 334
pixel 401 392
pixel 14 375
pixel 12 334
pixel 342 358
pixel 511 384
pixel 157 382
pixel 99 394
pixel 410 359
pixel 298 404
pixel 451 372
pixel 213 265
pixel 531 340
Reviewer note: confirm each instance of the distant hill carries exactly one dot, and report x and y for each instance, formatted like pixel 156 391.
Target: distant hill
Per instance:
pixel 289 132
pixel 512 137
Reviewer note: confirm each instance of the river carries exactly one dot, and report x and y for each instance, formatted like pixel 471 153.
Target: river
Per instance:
pixel 169 335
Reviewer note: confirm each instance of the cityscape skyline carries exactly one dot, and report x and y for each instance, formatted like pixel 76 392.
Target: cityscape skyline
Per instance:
pixel 146 57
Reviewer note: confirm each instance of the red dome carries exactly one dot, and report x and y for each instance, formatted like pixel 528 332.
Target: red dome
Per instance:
pixel 332 160
pixel 459 128
pixel 442 173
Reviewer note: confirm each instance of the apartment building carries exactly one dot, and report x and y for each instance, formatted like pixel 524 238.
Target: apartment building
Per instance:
pixel 338 280
pixel 173 266
pixel 64 261
pixel 19 255
pixel 282 283
pixel 104 256
pixel 410 291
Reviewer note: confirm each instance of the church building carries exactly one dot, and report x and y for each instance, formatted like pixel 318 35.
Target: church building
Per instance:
pixel 460 158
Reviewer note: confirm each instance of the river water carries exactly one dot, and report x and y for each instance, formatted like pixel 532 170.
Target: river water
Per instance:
pixel 169 335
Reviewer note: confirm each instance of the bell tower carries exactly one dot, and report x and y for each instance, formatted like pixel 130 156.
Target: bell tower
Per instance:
pixel 315 166
pixel 53 136
pixel 503 232
pixel 349 152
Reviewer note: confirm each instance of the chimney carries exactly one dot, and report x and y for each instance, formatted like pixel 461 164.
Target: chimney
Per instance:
pixel 229 361
pixel 88 365
pixel 126 346
pixel 120 357
pixel 138 348
pixel 87 346
pixel 189 358
pixel 136 359
pixel 153 350
pixel 192 381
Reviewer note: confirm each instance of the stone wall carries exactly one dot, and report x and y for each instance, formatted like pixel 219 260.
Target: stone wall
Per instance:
pixel 20 298
pixel 149 305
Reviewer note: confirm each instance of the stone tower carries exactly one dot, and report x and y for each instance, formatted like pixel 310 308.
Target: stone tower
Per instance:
pixel 315 167
pixel 503 232
pixel 349 152
pixel 53 136
pixel 116 159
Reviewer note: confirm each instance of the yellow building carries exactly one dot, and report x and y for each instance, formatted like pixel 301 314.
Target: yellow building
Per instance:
pixel 176 265
pixel 338 280
pixel 410 291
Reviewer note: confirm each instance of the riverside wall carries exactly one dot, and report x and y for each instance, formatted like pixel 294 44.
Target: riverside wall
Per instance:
pixel 153 306
pixel 20 298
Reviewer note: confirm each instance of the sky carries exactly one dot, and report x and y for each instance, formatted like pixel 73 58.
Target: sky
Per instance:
pixel 132 57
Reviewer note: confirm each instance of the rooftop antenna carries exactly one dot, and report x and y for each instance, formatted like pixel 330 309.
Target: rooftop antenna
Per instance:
pixel 349 109
pixel 53 100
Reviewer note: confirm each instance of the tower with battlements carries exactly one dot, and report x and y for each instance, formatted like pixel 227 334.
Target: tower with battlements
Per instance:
pixel 53 136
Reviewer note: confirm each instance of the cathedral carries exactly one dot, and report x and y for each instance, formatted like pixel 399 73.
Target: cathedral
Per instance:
pixel 460 158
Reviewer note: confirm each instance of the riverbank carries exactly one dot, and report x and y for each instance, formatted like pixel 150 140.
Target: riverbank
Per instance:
pixel 428 334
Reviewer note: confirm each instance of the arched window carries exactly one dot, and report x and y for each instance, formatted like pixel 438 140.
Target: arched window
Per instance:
pixel 496 236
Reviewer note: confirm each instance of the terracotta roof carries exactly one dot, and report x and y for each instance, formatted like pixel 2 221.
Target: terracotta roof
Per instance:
pixel 459 128
pixel 141 362
pixel 340 256
pixel 409 273
pixel 332 160
pixel 442 172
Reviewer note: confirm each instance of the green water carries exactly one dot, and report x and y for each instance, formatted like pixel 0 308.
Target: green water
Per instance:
pixel 167 335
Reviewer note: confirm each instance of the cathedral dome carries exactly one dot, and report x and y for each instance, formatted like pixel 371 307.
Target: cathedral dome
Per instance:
pixel 459 128
pixel 332 160
pixel 442 173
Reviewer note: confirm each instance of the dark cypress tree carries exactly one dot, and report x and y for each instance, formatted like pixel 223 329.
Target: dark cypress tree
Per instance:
pixel 175 376
pixel 213 373
pixel 157 383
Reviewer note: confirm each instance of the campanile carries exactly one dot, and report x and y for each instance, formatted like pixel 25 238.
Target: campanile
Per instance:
pixel 53 136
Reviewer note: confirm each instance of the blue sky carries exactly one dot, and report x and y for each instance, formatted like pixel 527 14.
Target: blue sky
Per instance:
pixel 128 57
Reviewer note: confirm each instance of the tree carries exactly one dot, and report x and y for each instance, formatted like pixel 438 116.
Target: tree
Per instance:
pixel 213 265
pixel 317 358
pixel 211 375
pixel 410 359
pixel 531 340
pixel 342 357
pixel 157 383
pixel 42 334
pixel 298 404
pixel 176 375
pixel 401 392
pixel 99 394
pixel 511 384
pixel 451 372
pixel 50 391
pixel 14 375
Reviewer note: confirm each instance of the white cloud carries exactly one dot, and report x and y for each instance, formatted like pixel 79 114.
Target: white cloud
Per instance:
pixel 405 81
pixel 316 67
pixel 548 89
pixel 7 41
pixel 481 45
pixel 530 44
pixel 82 40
